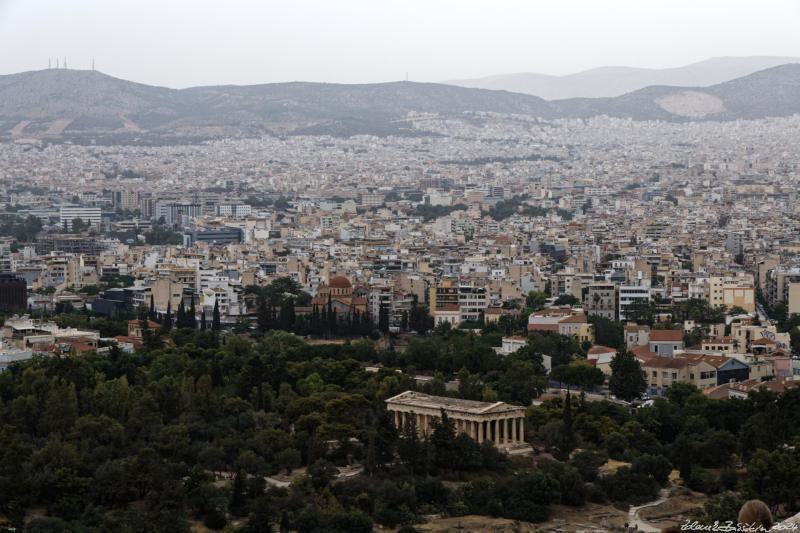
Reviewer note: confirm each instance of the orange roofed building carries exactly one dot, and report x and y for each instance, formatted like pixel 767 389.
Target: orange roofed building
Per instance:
pixel 339 291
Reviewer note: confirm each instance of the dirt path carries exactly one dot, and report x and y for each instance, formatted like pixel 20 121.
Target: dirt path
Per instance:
pixel 639 523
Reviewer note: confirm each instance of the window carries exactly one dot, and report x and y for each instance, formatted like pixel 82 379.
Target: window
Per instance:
pixel 674 375
pixel 655 374
pixel 665 375
pixel 691 376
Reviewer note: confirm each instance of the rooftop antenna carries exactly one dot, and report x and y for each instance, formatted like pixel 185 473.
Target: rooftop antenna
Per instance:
pixel 48 63
pixel 56 62
pixel 92 63
pixel 65 62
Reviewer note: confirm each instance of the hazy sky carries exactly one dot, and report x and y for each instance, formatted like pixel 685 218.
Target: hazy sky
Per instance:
pixel 181 43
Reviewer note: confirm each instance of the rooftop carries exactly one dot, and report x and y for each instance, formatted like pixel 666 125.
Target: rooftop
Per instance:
pixel 418 399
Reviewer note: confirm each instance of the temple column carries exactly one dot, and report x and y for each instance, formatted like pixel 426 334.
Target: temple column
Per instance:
pixel 513 429
pixel 480 432
pixel 522 429
pixel 507 436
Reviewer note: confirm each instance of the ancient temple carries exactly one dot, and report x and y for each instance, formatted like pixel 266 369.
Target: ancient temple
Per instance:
pixel 498 422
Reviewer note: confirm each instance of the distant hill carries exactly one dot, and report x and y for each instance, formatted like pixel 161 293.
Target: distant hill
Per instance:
pixel 58 102
pixel 615 81
pixel 774 92
pixel 87 106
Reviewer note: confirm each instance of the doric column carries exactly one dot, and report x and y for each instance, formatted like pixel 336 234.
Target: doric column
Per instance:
pixel 480 432
pixel 522 429
pixel 397 419
pixel 513 429
pixel 507 436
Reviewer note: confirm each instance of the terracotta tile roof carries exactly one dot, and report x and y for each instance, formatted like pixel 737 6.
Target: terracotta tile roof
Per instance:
pixel 666 335
pixel 575 319
pixel 600 349
pixel 666 362
pixel 542 327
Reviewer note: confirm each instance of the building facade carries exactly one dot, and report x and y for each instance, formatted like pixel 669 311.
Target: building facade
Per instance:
pixel 498 422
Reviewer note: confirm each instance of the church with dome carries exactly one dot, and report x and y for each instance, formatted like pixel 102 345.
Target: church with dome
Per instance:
pixel 339 291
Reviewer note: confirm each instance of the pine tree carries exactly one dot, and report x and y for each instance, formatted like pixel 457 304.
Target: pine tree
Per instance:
pixel 216 323
pixel 404 321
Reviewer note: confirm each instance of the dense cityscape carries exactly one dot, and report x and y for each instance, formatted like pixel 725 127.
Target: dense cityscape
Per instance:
pixel 493 321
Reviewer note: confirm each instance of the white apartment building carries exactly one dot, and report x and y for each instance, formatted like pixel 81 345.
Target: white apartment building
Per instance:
pixel 91 216
pixel 234 210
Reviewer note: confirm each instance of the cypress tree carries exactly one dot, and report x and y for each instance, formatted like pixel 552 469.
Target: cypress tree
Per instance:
pixel 192 318
pixel 216 323
pixel 383 319
pixel 203 321
pixel 331 315
pixel 152 308
pixel 263 315
pixel 180 317
pixel 168 317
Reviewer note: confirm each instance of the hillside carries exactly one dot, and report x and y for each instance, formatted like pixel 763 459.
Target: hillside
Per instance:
pixel 615 81
pixel 87 106
pixel 773 92
pixel 70 103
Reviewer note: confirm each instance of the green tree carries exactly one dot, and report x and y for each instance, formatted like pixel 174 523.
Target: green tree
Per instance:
pixel 383 319
pixel 535 300
pixel 627 379
pixel 566 299
pixel 216 324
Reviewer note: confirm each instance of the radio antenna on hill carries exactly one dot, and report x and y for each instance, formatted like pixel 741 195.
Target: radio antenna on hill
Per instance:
pixel 92 63
pixel 65 62
pixel 56 62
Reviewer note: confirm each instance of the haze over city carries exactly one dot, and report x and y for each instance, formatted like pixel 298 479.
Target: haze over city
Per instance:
pixel 184 43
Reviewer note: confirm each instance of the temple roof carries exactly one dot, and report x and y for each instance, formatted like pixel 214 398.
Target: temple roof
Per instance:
pixel 418 399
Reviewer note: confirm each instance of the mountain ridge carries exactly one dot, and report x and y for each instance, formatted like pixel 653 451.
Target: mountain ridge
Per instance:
pixel 88 106
pixel 610 81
